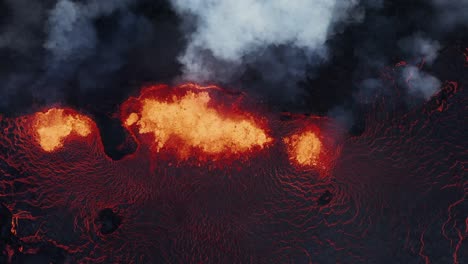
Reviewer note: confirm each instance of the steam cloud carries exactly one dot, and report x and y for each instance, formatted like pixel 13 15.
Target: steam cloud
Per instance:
pixel 70 27
pixel 420 83
pixel 72 37
pixel 287 51
pixel 450 13
pixel 51 44
pixel 420 47
pixel 230 35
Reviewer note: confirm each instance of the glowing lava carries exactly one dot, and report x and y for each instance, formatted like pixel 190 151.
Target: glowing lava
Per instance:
pixel 304 148
pixel 55 125
pixel 187 121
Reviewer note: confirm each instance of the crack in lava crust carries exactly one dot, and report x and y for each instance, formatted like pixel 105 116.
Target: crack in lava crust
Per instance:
pixel 244 207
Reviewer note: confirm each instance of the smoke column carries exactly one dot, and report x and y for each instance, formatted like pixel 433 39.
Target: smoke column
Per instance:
pixel 227 36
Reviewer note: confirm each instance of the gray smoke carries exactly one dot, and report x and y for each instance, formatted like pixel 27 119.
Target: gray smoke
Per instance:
pixel 418 47
pixel 70 27
pixel 51 43
pixel 72 37
pixel 450 13
pixel 313 54
pixel 282 37
pixel 420 53
pixel 418 50
pixel 419 83
pixel 20 31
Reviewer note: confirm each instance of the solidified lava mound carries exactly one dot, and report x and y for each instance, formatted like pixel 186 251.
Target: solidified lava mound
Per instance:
pixel 218 179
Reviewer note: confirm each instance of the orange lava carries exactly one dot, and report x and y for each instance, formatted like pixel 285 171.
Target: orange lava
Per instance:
pixel 304 148
pixel 55 125
pixel 132 119
pixel 187 121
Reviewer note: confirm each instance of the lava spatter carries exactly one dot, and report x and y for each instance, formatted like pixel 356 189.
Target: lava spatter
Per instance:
pixel 312 143
pixel 304 148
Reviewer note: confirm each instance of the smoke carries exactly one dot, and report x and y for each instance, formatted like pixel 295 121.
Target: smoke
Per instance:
pixel 71 29
pixel 321 56
pixel 450 14
pixel 277 38
pixel 418 47
pixel 72 36
pixel 45 44
pixel 20 29
pixel 419 83
pixel 69 51
pixel 419 53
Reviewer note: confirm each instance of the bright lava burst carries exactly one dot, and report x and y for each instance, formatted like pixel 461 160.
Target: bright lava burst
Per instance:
pixel 186 122
pixel 55 125
pixel 304 148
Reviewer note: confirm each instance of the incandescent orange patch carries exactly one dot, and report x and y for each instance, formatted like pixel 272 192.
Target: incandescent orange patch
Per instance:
pixel 189 120
pixel 132 119
pixel 55 125
pixel 304 148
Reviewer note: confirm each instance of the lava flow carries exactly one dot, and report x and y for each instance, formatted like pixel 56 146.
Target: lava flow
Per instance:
pixel 189 120
pixel 55 125
pixel 218 179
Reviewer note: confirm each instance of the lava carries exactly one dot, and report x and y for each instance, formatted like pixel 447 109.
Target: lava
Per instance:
pixel 304 148
pixel 188 121
pixel 56 125
pixel 312 143
pixel 270 203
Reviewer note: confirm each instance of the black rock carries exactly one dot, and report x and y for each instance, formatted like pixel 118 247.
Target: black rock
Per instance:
pixel 5 223
pixel 108 221
pixel 325 198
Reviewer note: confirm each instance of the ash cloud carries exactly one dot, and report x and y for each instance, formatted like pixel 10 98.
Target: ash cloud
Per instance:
pixel 72 38
pixel 415 34
pixel 81 52
pixel 420 53
pixel 417 47
pixel 419 83
pixel 279 39
pixel 318 56
pixel 70 29
pixel 281 50
pixel 21 28
pixel 450 14
pixel 393 31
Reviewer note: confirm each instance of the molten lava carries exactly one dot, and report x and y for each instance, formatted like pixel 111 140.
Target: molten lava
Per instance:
pixel 304 148
pixel 55 125
pixel 187 122
pixel 308 193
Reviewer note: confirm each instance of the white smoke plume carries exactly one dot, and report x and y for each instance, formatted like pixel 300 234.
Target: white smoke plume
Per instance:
pixel 419 83
pixel 229 34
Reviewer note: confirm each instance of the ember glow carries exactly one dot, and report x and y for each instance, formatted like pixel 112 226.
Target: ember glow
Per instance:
pixel 186 122
pixel 55 125
pixel 304 148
